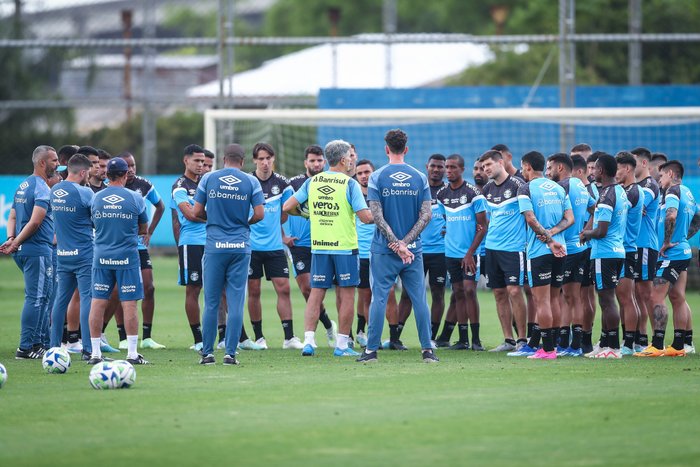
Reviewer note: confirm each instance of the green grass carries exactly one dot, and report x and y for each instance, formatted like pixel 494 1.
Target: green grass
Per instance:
pixel 277 408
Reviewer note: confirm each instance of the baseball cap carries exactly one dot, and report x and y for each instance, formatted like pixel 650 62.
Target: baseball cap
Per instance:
pixel 117 164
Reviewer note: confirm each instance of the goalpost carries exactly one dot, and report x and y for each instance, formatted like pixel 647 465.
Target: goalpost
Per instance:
pixel 674 131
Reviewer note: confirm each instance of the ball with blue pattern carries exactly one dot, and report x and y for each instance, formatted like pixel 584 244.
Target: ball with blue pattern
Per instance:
pixel 104 375
pixel 56 360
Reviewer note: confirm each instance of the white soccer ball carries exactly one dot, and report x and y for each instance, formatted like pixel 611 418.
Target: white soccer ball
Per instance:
pixel 104 375
pixel 56 360
pixel 3 375
pixel 126 372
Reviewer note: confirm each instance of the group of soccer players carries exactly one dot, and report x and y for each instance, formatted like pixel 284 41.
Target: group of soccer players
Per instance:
pixel 548 238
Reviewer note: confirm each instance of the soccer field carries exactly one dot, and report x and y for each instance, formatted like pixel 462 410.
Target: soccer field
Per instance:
pixel 278 408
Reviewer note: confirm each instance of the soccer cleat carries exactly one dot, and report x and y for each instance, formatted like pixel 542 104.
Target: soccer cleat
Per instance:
pixel 39 349
pixel 207 360
pixel 607 352
pixel 689 349
pixel 332 335
pixel 396 345
pixel 650 351
pixel 229 360
pixel 433 345
pixel 151 344
pixel 85 356
pixel 503 347
pixel 197 347
pixel 626 351
pixel 139 360
pixel 477 347
pixel 293 343
pixel 361 339
pixel 106 348
pixel 440 344
pixel 368 357
pixel 429 356
pixel 542 354
pixel 569 352
pixel 520 344
pixel 525 351
pixel 594 350
pixel 347 352
pixel 74 347
pixel 95 360
pixel 308 351
pixel 459 346
pixel 559 349
pixel 123 345
pixel 262 343
pixel 670 351
pixel 638 348
pixel 26 355
pixel 221 345
pixel 249 345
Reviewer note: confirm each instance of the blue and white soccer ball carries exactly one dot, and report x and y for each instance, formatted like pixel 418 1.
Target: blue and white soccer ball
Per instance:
pixel 303 209
pixel 126 372
pixel 104 375
pixel 3 375
pixel 56 360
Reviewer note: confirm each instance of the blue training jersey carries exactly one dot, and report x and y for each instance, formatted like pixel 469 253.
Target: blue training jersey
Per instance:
pixel 266 235
pixel 506 226
pixel 228 196
pixel 433 236
pixel 365 234
pixel 650 218
pixel 33 192
pixel 581 200
pixel 460 207
pixel 548 201
pixel 191 233
pixel 149 193
pixel 611 207
pixel 298 226
pixel 401 190
pixel 116 214
pixel 635 204
pixel 680 198
pixel 72 212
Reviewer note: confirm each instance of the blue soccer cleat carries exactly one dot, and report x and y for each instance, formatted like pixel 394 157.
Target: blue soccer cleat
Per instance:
pixel 308 351
pixel 347 352
pixel 525 351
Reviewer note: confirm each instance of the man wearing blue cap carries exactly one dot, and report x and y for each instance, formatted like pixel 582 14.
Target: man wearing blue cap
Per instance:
pixel 119 216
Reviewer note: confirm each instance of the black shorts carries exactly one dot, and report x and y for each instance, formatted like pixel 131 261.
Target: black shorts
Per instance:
pixel 574 267
pixel 505 268
pixel 364 274
pixel 145 260
pixel 672 269
pixel 587 278
pixel 545 270
pixel 190 264
pixel 630 271
pixel 273 262
pixel 482 262
pixel 436 269
pixel 607 272
pixel 457 273
pixel 647 259
pixel 301 259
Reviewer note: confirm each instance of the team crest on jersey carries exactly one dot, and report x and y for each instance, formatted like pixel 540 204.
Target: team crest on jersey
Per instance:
pixel 507 194
pixel 194 276
pixel 446 201
pixel 300 265
pixel 275 190
pixel 463 199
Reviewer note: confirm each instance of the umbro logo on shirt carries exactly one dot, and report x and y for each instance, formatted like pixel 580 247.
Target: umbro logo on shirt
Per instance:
pixel 113 199
pixel 60 193
pixel 400 176
pixel 548 186
pixel 24 185
pixel 326 190
pixel 230 180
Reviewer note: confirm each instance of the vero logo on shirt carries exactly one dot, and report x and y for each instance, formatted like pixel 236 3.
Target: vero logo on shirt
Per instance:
pixel 229 181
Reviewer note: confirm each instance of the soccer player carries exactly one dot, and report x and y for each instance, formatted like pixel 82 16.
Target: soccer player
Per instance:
pixel 505 245
pixel 657 160
pixel 191 238
pixel 679 220
pixel 268 249
pixel 71 204
pixel 30 232
pixel 590 164
pixel 464 209
pixel 607 252
pixel 119 216
pixel 399 199
pixel 149 193
pixel 96 180
pixel 333 200
pixel 629 309
pixel 298 238
pixel 225 198
pixel 508 161
pixel 582 149
pixel 559 169
pixel 647 243
pixel 65 153
pixel 208 165
pixel 547 211
pixel 433 239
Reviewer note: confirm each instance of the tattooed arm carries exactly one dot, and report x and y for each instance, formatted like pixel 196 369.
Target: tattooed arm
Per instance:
pixel 564 223
pixel 669 227
pixel 423 219
pixel 543 235
pixel 694 225
pixel 375 208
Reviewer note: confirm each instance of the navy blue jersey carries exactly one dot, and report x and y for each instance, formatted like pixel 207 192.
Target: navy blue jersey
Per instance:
pixel 228 196
pixel 298 226
pixel 548 201
pixel 460 206
pixel 433 236
pixel 266 235
pixel 401 190
pixel 116 214
pixel 72 212
pixel 611 207
pixel 647 233
pixel 635 200
pixel 506 226
pixel 183 191
pixel 680 198
pixel 97 189
pixel 148 192
pixel 34 192
pixel 581 200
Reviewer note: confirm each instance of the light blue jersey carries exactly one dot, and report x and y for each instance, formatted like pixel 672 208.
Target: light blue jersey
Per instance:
pixel 460 207
pixel 650 218
pixel 635 204
pixel 266 235
pixel 365 234
pixel 34 192
pixel 191 233
pixel 548 201
pixel 611 207
pixel 401 190
pixel 298 226
pixel 506 226
pixel 228 196
pixel 72 212
pixel 433 236
pixel 581 200
pixel 116 214
pixel 149 193
pixel 678 197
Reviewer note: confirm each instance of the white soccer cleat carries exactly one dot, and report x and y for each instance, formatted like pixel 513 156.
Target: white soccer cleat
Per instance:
pixel 262 343
pixel 221 345
pixel 596 349
pixel 688 349
pixel 249 345
pixel 292 344
pixel 332 334
pixel 607 352
pixel 75 347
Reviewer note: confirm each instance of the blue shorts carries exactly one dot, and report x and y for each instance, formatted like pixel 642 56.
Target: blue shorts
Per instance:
pixel 325 268
pixel 129 282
